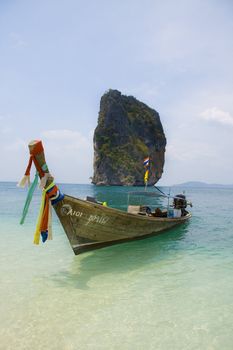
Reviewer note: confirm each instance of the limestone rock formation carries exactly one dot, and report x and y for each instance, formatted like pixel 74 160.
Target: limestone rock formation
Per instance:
pixel 127 132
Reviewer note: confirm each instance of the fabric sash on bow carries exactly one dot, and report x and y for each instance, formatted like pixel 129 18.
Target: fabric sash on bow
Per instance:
pixel 26 178
pixel 43 227
pixel 50 193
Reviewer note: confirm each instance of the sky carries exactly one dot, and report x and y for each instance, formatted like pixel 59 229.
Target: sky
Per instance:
pixel 58 57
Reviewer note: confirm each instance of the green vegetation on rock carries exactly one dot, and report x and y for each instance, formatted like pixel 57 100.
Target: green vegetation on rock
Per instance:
pixel 127 132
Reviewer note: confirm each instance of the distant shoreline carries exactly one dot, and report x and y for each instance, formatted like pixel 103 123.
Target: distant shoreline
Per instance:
pixel 199 184
pixel 189 184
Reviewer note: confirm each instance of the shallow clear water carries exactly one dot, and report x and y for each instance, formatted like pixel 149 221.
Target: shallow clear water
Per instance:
pixel 173 291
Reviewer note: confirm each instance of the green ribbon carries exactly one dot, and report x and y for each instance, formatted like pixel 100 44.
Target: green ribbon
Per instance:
pixel 29 198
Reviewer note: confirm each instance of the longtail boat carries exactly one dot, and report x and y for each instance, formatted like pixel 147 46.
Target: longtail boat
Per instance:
pixel 89 224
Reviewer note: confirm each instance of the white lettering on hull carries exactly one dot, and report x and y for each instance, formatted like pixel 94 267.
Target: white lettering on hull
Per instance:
pixel 97 219
pixel 91 219
pixel 72 212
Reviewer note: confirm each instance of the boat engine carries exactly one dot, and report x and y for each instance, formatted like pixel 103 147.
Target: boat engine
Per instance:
pixel 180 201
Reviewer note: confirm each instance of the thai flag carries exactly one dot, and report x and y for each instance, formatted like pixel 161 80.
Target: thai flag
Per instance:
pixel 146 162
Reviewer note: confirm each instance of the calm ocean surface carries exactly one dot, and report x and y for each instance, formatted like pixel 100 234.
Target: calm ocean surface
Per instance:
pixel 173 291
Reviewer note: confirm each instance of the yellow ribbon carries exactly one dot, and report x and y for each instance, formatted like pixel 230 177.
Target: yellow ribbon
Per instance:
pixel 50 234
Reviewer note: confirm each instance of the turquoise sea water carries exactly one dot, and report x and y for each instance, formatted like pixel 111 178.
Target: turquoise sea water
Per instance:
pixel 173 291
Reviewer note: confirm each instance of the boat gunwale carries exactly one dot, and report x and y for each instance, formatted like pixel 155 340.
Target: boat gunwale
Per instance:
pixel 126 214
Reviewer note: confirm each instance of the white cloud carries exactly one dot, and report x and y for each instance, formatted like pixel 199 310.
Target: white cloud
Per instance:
pixel 69 154
pixel 217 115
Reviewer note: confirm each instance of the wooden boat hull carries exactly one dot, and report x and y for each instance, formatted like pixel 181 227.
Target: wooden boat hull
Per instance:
pixel 91 226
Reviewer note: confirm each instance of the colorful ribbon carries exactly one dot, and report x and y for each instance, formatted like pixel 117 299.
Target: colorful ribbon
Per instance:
pixel 29 198
pixel 37 149
pixel 50 194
